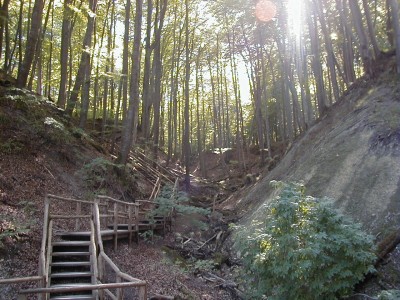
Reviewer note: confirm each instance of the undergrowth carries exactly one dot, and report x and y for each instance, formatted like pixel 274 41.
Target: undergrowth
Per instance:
pixel 304 249
pixel 168 201
pixel 101 174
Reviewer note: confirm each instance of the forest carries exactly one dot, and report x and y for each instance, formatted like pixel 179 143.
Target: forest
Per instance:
pixel 227 113
pixel 188 76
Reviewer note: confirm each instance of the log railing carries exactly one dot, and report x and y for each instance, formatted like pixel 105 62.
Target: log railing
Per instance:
pixel 86 217
pixel 104 260
pixel 120 212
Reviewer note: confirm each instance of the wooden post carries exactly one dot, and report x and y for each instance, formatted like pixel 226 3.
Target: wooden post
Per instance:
pixel 137 223
pixel 119 290
pixel 142 293
pixel 130 224
pixel 115 226
pixel 78 212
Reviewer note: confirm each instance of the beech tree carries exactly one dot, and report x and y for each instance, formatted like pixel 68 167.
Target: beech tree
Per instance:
pixel 131 121
pixel 33 37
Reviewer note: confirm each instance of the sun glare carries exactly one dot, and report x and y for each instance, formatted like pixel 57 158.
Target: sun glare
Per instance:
pixel 265 10
pixel 295 10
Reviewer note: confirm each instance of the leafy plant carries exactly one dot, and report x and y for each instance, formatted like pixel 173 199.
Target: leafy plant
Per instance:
pixel 9 229
pixel 11 146
pixel 389 295
pixel 304 249
pixel 178 202
pixel 203 265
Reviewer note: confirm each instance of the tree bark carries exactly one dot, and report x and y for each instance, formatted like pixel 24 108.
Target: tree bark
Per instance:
pixel 33 37
pixel 186 138
pixel 65 41
pixel 131 120
pixel 394 9
pixel 363 41
pixel 3 21
pixel 85 59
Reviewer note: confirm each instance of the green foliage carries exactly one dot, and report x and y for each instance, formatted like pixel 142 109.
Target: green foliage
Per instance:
pixel 98 173
pixel 10 229
pixel 304 249
pixel 11 146
pixel 168 201
pixel 202 265
pixel 389 295
pixel 147 235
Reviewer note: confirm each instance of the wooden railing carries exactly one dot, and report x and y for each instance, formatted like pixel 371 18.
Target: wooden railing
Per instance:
pixel 89 211
pixel 119 212
pixel 104 260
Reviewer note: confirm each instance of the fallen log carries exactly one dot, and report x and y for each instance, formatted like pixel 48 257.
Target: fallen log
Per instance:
pixel 387 245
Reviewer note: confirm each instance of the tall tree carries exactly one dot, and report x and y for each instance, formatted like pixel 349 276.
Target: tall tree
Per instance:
pixel 66 31
pixel 131 120
pixel 85 57
pixel 186 137
pixel 394 8
pixel 33 37
pixel 3 22
pixel 365 53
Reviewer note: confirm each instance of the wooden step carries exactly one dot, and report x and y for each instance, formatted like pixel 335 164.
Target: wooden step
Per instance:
pixel 70 264
pixel 73 297
pixel 71 274
pixel 71 243
pixel 73 253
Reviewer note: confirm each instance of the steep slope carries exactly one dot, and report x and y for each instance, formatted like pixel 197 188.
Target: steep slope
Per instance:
pixel 352 156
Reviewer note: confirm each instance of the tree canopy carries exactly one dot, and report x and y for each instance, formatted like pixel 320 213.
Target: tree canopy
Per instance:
pixel 190 76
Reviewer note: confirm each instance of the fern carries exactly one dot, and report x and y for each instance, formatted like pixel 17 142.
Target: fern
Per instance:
pixel 304 249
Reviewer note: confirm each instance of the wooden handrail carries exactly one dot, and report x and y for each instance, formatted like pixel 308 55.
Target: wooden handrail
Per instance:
pixel 98 259
pixel 84 287
pixel 70 217
pixel 20 279
pixel 68 199
pixel 116 200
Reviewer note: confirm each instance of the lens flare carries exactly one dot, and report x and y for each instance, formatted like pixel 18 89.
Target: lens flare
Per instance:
pixel 265 10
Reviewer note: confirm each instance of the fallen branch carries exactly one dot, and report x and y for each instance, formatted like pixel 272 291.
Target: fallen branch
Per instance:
pixel 206 242
pixel 229 285
pixel 387 245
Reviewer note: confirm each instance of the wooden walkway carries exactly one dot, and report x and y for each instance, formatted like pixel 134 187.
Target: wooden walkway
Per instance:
pixel 72 262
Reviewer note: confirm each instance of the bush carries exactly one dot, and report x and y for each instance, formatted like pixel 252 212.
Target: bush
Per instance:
pixel 168 201
pixel 303 250
pixel 101 174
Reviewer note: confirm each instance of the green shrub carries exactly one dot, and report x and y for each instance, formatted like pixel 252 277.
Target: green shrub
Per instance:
pixel 10 229
pixel 178 202
pixel 101 174
pixel 304 249
pixel 389 295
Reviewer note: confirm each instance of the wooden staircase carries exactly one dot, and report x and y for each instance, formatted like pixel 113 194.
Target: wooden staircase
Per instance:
pixel 72 261
pixel 71 265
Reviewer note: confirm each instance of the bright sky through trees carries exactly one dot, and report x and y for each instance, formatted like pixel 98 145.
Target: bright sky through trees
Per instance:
pixel 295 9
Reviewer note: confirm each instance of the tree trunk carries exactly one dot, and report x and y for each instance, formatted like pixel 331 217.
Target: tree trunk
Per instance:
pixel 84 61
pixel 33 37
pixel 3 21
pixel 65 41
pixel 158 71
pixel 329 49
pixel 147 99
pixel 131 119
pixel 316 66
pixel 371 29
pixel 363 41
pixel 394 8
pixel 186 140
